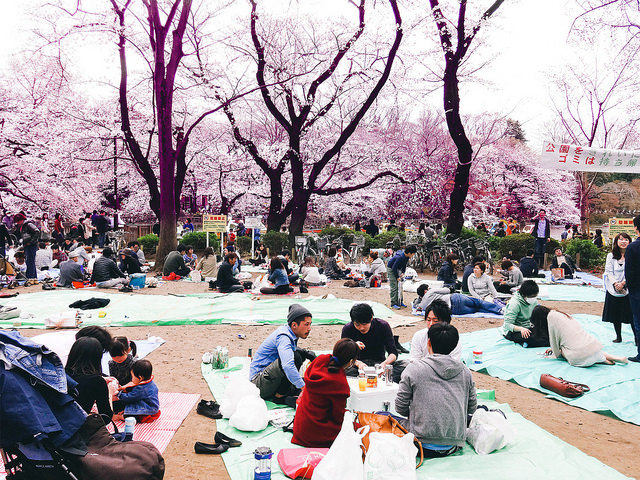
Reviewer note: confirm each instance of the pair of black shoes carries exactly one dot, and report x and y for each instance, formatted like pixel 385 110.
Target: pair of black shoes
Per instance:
pixel 223 443
pixel 209 408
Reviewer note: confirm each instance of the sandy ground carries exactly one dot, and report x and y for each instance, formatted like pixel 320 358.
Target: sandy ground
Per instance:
pixel 177 369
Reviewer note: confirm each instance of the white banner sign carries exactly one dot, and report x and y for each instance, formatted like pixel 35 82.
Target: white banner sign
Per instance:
pixel 561 156
pixel 253 222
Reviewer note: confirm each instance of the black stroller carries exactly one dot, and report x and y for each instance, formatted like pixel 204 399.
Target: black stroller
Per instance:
pixel 45 434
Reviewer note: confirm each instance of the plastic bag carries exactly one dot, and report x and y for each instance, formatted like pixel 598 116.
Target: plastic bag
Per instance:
pixel 195 276
pixel 390 456
pixel 251 415
pixel 300 462
pixel 344 458
pixel 237 389
pixel 489 431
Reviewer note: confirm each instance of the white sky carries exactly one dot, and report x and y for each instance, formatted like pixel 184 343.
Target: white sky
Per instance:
pixel 528 37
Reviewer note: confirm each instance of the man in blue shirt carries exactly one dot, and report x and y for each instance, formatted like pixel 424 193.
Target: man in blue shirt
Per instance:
pixel 275 365
pixel 542 232
pixel 188 225
pixel 395 270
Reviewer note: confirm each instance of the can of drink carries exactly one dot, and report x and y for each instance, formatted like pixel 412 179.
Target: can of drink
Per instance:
pixel 388 375
pixel 477 357
pixel 242 336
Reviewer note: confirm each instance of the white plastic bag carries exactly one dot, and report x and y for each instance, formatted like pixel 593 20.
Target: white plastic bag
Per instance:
pixel 390 456
pixel 237 389
pixel 489 431
pixel 251 415
pixel 344 458
pixel 61 320
pixel 195 276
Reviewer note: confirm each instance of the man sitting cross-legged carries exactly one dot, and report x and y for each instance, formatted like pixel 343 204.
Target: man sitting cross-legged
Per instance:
pixel 437 393
pixel 373 335
pixel 276 363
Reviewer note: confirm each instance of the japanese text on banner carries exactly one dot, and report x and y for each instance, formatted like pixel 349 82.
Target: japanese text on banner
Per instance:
pixel 562 156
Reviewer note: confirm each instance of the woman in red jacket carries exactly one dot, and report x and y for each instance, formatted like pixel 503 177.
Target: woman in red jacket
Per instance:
pixel 324 398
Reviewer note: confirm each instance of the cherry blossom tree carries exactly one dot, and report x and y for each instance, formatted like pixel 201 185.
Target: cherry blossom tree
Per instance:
pixel 456 39
pixel 317 112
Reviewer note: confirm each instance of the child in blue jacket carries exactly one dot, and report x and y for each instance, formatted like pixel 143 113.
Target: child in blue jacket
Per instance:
pixel 140 397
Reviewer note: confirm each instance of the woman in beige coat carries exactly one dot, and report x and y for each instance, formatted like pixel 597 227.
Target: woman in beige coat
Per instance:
pixel 208 265
pixel 570 341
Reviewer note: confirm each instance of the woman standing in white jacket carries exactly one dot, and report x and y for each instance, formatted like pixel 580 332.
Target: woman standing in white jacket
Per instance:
pixel 617 309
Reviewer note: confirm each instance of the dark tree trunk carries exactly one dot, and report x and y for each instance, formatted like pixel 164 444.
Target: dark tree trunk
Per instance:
pixel 456 130
pixel 454 55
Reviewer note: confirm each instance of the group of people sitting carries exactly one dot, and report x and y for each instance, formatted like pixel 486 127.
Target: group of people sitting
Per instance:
pixel 127 391
pixel 434 367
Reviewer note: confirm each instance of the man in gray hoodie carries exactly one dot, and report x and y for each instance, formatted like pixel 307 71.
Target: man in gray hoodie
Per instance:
pixel 437 393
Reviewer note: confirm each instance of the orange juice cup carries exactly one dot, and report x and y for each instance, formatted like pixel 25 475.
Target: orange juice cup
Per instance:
pixel 362 384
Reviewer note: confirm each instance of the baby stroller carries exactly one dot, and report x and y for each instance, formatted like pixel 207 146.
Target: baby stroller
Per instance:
pixel 45 434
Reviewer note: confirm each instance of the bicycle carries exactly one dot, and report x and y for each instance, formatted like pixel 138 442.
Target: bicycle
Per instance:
pixel 303 249
pixel 116 239
pixel 355 247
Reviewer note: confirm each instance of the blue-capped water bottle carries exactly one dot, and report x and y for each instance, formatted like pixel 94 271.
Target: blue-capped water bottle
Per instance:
pixel 129 427
pixel 262 469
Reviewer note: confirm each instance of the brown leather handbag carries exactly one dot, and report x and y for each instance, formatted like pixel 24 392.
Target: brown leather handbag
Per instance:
pixel 563 387
pixel 383 424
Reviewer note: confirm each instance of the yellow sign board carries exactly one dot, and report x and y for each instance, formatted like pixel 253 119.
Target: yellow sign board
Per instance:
pixel 620 225
pixel 214 223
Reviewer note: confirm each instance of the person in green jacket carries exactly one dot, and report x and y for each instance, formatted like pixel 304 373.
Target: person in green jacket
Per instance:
pixel 517 317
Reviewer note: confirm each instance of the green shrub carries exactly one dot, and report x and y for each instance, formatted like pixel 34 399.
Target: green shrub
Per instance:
pixel 368 242
pixel 244 244
pixel 149 243
pixel 198 240
pixel 590 255
pixel 275 241
pixel 466 233
pixel 381 240
pixel 335 232
pixel 519 243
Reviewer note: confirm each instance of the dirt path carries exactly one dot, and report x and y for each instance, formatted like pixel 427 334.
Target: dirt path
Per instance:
pixel 177 369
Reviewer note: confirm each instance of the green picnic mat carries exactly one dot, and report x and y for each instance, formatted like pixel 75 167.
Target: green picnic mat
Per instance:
pixel 615 389
pixel 534 454
pixel 199 309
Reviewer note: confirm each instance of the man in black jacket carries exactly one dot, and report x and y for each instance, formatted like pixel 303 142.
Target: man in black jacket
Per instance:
pixel 529 266
pixel 106 273
pixel 226 282
pixel 632 277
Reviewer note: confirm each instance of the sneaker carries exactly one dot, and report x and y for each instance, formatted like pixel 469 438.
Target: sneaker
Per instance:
pixel 635 359
pixel 403 305
pixel 397 307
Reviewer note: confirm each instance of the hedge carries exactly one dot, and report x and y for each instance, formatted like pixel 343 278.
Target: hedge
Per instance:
pixel 149 242
pixel 275 241
pixel 244 244
pixel 518 244
pixel 198 240
pixel 590 255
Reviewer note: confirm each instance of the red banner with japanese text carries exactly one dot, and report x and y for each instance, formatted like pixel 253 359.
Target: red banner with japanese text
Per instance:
pixel 563 156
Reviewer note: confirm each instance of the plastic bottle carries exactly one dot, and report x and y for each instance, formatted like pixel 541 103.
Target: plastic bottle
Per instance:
pixel 129 427
pixel 262 470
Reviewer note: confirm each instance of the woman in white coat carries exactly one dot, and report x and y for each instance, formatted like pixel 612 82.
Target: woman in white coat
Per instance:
pixel 617 309
pixel 570 341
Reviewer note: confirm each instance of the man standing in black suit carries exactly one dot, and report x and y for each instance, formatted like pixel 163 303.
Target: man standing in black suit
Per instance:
pixel 632 277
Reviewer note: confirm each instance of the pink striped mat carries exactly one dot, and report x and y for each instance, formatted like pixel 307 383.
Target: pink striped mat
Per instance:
pixel 174 407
